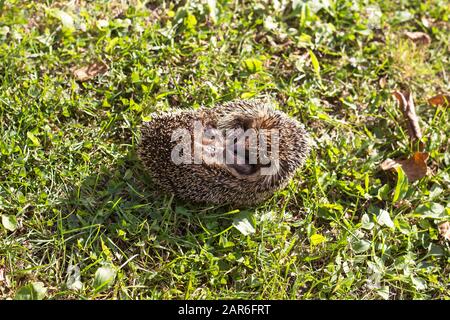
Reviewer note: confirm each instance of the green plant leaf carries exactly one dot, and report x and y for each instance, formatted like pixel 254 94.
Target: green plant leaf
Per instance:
pixel 253 65
pixel 242 222
pixel 33 139
pixel 431 210
pixel 190 21
pixel 384 219
pixel 212 10
pixel 65 18
pixel 317 239
pixel 32 291
pixel 315 63
pixel 366 223
pixel 384 292
pixel 330 211
pixel 401 187
pixel 419 283
pixel 104 277
pixel 360 245
pixel 9 222
pixel 383 192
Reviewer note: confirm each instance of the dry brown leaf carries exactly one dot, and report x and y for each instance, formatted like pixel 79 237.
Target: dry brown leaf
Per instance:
pixel 415 167
pixel 444 230
pixel 418 37
pixel 440 100
pixel 406 102
pixel 90 71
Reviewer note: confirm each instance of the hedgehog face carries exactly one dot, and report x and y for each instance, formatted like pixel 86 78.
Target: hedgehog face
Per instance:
pixel 231 149
pixel 242 151
pixel 237 153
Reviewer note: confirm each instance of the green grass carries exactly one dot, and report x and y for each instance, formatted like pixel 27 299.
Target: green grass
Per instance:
pixel 78 210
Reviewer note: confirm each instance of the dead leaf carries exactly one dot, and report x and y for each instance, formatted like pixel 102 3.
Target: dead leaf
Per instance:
pixel 418 37
pixel 2 274
pixel 440 100
pixel 90 71
pixel 444 230
pixel 426 22
pixel 406 102
pixel 415 167
pixel 382 82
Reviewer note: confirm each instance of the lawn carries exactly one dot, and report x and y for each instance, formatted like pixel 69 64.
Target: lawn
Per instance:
pixel 81 219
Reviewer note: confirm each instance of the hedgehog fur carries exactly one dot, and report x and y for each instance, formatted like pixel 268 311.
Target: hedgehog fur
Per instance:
pixel 217 182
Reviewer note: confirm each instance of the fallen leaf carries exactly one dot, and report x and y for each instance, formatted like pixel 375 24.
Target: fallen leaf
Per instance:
pixel 90 71
pixel 440 100
pixel 418 37
pixel 426 22
pixel 2 274
pixel 444 230
pixel 382 82
pixel 415 167
pixel 406 102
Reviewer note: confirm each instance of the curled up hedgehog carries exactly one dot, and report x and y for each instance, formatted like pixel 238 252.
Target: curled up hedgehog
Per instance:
pixel 238 153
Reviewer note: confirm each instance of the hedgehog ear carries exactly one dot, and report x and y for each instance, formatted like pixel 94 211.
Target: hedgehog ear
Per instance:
pixel 238 122
pixel 245 122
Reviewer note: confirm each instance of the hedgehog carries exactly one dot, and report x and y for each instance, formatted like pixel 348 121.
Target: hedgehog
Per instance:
pixel 238 153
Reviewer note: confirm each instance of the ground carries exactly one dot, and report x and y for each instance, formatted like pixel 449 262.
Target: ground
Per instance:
pixel 81 219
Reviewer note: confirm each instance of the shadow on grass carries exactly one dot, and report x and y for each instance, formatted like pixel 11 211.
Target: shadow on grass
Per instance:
pixel 117 216
pixel 119 200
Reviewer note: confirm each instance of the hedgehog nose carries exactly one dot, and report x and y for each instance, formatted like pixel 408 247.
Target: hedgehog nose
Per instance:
pixel 244 169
